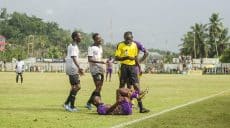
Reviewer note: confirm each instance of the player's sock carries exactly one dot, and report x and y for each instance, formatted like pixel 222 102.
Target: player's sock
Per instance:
pixel 94 93
pixel 21 79
pixel 17 79
pixel 97 94
pixel 72 101
pixel 91 98
pixel 140 105
pixel 68 99
pixel 72 98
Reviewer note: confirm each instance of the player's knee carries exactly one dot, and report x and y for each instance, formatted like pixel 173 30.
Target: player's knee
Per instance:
pixel 78 88
pixel 98 88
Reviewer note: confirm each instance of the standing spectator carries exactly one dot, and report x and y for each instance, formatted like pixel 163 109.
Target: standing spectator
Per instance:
pixel 109 67
pixel 19 69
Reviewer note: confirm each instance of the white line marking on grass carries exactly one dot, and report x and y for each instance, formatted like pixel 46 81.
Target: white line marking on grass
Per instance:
pixel 167 110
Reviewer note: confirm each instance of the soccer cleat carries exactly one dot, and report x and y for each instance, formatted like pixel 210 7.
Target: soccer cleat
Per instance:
pixel 144 110
pixel 72 109
pixel 143 93
pixel 66 106
pixel 88 105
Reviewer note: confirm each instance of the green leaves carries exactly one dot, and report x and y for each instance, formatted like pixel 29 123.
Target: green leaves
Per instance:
pixel 46 37
pixel 206 40
pixel 225 57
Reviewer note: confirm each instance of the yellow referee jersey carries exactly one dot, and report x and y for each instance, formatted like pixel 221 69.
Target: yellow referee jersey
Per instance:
pixel 124 50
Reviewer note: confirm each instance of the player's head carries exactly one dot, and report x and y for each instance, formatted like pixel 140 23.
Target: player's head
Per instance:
pixel 97 101
pixel 97 38
pixel 19 58
pixel 76 36
pixel 128 36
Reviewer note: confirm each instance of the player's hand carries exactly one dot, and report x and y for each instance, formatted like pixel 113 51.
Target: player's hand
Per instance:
pixel 140 73
pixel 81 71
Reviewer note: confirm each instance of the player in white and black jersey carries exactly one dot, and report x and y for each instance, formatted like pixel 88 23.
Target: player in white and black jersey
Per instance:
pixel 19 69
pixel 73 70
pixel 95 53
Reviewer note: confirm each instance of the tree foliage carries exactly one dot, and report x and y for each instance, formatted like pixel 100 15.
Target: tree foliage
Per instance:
pixel 225 57
pixel 30 36
pixel 206 40
pixel 21 30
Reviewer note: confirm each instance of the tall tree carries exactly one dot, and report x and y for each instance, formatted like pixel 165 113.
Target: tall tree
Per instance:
pixel 188 44
pixel 206 40
pixel 200 44
pixel 215 28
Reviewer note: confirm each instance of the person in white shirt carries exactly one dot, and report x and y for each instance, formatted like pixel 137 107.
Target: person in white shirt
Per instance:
pixel 73 70
pixel 19 68
pixel 95 53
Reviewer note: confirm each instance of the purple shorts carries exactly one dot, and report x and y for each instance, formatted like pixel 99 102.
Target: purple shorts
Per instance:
pixel 109 70
pixel 101 109
pixel 126 108
pixel 137 70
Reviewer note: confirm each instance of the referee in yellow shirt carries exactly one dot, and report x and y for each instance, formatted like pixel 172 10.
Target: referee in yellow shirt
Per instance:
pixel 127 53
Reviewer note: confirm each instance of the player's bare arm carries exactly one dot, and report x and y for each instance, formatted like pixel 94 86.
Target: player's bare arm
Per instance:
pixel 90 59
pixel 144 56
pixel 76 63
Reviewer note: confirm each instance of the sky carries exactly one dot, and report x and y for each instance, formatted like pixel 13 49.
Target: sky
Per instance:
pixel 158 24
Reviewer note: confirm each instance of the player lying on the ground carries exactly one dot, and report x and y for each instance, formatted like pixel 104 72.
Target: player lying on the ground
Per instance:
pixel 123 105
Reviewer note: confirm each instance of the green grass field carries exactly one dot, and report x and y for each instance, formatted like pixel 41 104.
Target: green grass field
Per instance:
pixel 37 103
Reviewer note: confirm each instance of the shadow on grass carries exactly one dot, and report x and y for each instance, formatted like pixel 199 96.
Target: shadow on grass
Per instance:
pixel 32 109
pixel 54 109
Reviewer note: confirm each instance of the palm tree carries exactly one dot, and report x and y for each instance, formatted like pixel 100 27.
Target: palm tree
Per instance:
pixel 206 40
pixel 188 45
pixel 194 42
pixel 215 30
pixel 223 41
pixel 200 43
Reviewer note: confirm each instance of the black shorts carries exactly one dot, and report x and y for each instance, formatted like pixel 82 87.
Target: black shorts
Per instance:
pixel 128 75
pixel 74 79
pixel 19 73
pixel 98 77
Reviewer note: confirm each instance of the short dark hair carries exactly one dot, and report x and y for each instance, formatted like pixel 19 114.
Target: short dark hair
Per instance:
pixel 19 57
pixel 74 34
pixel 95 35
pixel 127 33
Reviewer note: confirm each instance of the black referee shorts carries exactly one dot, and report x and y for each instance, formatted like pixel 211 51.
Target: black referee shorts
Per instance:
pixel 128 75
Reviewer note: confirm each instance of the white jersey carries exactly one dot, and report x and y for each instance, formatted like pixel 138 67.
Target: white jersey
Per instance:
pixel 71 68
pixel 19 66
pixel 96 53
